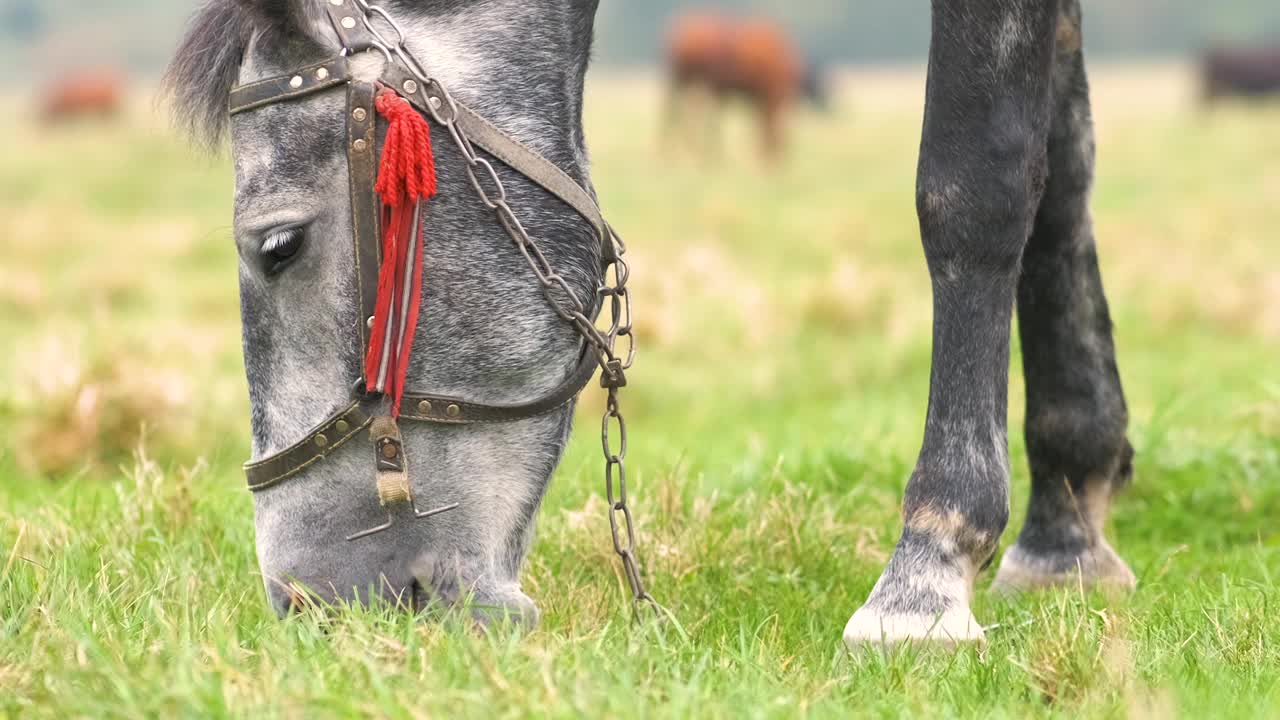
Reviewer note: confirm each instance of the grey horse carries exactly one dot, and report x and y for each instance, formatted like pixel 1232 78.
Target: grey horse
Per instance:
pixel 486 333
pixel 1005 172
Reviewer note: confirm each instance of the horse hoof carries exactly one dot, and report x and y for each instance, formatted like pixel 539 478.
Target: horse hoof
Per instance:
pixel 1097 567
pixel 949 629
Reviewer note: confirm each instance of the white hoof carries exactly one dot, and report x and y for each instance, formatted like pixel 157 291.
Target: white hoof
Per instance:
pixel 954 627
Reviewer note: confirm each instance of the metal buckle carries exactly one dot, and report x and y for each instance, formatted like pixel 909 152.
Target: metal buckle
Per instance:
pixel 614 376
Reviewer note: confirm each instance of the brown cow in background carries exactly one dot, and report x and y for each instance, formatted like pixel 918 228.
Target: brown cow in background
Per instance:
pixel 722 57
pixel 1246 72
pixel 89 93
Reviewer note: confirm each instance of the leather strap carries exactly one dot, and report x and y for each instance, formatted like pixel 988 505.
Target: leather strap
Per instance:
pixel 440 409
pixel 347 23
pixel 331 434
pixel 514 154
pixel 306 81
pixel 544 173
pixel 453 411
pixel 362 161
pixel 389 462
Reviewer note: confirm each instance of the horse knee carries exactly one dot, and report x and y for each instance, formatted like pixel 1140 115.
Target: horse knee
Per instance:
pixel 976 206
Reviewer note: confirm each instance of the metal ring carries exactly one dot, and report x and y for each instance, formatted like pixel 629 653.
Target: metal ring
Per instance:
pixel 380 42
pixel 605 427
pixel 497 185
pixel 621 484
pixel 386 53
pixel 371 10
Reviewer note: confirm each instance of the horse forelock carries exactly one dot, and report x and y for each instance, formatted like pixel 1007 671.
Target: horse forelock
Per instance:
pixel 209 57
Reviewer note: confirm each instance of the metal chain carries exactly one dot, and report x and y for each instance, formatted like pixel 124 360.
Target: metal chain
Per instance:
pixel 562 299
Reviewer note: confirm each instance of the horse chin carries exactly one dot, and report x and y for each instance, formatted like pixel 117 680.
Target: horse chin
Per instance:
pixel 466 558
pixel 510 607
pixel 430 585
pixel 487 599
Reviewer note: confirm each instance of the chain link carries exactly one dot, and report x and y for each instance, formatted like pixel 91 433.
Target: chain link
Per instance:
pixel 563 300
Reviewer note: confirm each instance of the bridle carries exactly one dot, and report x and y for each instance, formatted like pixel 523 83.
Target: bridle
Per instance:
pixel 357 24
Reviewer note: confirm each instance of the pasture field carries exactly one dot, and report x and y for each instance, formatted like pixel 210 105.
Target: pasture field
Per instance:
pixel 775 413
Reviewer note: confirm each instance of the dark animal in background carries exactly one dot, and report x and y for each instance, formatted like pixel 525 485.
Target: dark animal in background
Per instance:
pixel 1249 72
pixel 89 93
pixel 720 58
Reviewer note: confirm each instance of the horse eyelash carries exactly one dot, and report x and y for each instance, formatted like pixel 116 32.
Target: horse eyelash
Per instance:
pixel 277 239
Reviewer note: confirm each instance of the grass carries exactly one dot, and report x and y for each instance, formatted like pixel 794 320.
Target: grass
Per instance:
pixel 775 414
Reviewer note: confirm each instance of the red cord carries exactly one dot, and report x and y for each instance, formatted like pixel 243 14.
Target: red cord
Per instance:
pixel 406 179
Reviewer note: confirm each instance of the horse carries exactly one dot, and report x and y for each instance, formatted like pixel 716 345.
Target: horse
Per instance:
pixel 1241 72
pixel 430 501
pixel 1003 184
pixel 752 59
pixel 1005 170
pixel 92 93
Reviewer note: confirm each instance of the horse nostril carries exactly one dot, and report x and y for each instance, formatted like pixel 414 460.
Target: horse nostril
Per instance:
pixel 419 599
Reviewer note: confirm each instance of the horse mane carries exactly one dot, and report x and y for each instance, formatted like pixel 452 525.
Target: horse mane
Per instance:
pixel 208 60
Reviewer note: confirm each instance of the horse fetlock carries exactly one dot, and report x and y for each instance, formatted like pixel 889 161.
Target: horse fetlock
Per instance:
pixel 923 595
pixel 971 535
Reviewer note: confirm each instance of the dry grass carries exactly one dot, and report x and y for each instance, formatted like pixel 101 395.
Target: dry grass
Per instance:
pixel 72 413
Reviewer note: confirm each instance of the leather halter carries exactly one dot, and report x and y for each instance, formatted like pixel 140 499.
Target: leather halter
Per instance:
pixel 353 419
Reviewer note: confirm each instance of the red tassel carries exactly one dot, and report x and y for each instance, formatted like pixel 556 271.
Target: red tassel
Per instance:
pixel 406 180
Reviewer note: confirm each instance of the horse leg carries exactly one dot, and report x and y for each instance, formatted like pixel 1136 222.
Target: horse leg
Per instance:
pixel 716 106
pixel 771 119
pixel 675 107
pixel 982 171
pixel 1076 415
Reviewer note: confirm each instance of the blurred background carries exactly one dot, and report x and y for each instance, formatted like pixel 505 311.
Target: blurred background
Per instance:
pixel 46 36
pixel 790 278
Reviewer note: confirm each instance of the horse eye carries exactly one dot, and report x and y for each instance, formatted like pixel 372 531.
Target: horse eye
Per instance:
pixel 280 247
